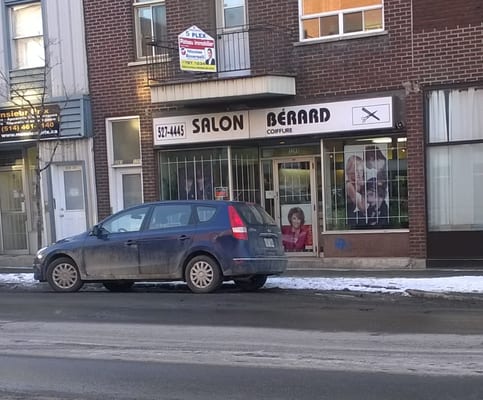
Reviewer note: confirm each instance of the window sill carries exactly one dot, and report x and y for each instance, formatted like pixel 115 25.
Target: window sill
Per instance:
pixel 125 165
pixel 136 63
pixel 341 38
pixel 162 59
pixel 363 231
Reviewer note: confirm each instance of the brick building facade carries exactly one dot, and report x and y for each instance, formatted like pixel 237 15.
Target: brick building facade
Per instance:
pixel 373 74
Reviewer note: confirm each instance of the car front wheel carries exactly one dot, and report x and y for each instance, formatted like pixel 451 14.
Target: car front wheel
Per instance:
pixel 63 275
pixel 251 283
pixel 203 275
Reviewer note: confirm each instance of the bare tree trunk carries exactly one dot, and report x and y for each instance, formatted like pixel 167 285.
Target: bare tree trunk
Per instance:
pixel 38 199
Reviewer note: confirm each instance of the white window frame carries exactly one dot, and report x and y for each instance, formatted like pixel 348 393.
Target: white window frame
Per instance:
pixel 454 153
pixel 14 39
pixel 138 4
pixel 224 7
pixel 340 14
pixel 117 171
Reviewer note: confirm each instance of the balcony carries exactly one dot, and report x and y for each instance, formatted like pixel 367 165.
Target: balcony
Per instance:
pixel 252 62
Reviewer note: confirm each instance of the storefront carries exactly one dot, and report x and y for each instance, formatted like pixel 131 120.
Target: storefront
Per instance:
pixel 62 152
pixel 333 175
pixel 16 181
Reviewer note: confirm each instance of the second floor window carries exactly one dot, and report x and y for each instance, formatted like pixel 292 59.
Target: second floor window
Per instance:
pixel 27 36
pixel 233 13
pixel 150 21
pixel 339 18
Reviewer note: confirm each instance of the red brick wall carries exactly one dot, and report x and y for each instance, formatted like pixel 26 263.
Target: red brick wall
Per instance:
pixel 440 14
pixel 117 90
pixel 443 47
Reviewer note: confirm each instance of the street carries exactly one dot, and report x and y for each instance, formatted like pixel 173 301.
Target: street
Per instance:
pixel 160 342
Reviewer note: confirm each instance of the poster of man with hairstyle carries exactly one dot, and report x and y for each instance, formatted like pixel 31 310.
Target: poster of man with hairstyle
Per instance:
pixel 366 185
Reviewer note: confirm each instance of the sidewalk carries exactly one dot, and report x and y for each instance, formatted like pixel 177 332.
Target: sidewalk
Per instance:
pixel 309 267
pixel 16 264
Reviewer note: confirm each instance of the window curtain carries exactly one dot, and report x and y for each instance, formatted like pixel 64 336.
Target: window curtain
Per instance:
pixel 455 195
pixel 466 114
pixel 438 128
pixel 455 171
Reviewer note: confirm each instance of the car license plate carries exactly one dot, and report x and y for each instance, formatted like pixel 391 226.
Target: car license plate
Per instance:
pixel 269 242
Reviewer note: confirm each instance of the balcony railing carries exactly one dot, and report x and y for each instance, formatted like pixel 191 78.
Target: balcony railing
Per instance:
pixel 248 51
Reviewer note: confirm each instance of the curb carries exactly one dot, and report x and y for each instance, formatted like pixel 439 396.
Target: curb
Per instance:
pixel 444 295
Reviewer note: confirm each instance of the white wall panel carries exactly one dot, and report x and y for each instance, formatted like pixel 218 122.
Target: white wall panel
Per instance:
pixel 64 32
pixel 3 55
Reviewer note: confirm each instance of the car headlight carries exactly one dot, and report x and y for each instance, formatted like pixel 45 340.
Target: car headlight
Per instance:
pixel 40 253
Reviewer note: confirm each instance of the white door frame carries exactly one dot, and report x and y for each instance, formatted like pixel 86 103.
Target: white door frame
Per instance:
pixel 232 58
pixel 313 199
pixel 68 222
pixel 116 186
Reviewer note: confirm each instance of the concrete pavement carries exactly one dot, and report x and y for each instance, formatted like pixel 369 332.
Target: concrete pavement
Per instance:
pixel 309 267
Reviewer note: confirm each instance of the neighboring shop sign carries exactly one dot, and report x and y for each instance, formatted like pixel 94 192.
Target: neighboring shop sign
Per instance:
pixel 200 128
pixel 341 116
pixel 196 51
pixel 20 123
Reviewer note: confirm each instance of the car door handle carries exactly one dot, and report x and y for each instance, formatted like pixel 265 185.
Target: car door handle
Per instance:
pixel 130 243
pixel 183 237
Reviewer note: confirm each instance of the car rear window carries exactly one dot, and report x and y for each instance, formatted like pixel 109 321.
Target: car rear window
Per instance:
pixel 253 214
pixel 205 213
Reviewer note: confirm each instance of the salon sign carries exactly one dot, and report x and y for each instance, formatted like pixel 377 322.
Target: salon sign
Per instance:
pixel 341 116
pixel 201 128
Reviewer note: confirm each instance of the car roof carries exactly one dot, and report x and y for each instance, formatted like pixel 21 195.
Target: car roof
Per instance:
pixel 195 202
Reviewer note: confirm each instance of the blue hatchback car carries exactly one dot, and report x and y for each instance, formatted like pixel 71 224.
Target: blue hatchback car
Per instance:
pixel 201 242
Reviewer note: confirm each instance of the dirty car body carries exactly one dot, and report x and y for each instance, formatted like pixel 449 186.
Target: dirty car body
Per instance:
pixel 201 242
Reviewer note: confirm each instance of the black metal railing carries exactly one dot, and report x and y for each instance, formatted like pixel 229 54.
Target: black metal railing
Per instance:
pixel 248 51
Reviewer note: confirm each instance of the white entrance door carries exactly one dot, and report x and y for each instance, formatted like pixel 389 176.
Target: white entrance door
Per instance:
pixel 127 190
pixel 296 201
pixel 69 200
pixel 233 50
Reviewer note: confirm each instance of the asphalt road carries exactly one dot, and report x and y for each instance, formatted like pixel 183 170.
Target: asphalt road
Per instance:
pixel 160 343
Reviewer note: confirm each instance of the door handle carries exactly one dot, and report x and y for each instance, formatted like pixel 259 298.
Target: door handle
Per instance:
pixel 183 237
pixel 130 243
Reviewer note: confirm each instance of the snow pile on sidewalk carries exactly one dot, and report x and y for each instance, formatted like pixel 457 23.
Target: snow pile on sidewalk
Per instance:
pixel 461 284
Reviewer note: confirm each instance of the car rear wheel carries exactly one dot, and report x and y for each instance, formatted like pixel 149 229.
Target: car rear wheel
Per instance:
pixel 63 275
pixel 121 286
pixel 203 275
pixel 251 283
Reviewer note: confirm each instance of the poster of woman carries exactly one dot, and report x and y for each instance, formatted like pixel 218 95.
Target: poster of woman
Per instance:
pixel 297 228
pixel 366 185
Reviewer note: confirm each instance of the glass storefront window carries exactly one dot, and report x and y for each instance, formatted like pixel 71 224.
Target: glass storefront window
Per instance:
pixel 246 175
pixel 204 174
pixel 455 169
pixel 194 174
pixel 366 184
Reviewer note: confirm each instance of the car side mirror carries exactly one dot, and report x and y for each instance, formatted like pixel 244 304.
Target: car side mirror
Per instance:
pixel 97 231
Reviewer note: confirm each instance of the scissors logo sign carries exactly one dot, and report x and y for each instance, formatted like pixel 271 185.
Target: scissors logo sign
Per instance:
pixel 375 115
pixel 369 114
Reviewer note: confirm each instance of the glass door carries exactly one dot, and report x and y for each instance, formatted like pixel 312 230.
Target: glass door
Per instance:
pixel 12 212
pixel 129 188
pixel 296 204
pixel 232 38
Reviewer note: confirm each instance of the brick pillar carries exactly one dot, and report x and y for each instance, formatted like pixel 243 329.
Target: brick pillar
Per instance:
pixel 416 173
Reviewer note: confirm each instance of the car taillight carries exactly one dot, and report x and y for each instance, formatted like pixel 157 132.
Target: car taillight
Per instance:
pixel 238 228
